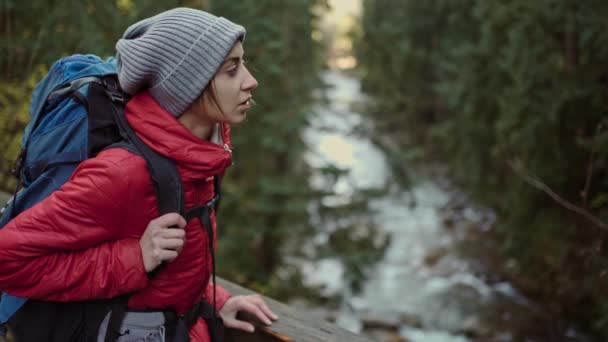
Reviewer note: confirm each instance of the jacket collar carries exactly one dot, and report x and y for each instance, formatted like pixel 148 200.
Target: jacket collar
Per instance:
pixel 194 157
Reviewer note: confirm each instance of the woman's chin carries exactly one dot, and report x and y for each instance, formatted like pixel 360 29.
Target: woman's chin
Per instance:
pixel 238 117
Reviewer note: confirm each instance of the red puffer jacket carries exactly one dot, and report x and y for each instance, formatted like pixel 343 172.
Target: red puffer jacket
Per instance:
pixel 82 242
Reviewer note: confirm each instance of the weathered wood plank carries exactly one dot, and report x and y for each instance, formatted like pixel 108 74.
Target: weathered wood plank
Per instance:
pixel 292 325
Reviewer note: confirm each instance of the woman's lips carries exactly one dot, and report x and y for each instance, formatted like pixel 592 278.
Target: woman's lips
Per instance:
pixel 247 103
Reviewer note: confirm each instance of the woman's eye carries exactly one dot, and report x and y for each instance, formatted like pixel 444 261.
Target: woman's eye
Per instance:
pixel 233 69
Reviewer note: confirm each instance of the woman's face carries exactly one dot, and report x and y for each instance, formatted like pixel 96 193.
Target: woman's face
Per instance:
pixel 232 86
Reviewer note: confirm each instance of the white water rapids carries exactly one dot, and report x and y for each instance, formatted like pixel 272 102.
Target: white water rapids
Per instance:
pixel 430 303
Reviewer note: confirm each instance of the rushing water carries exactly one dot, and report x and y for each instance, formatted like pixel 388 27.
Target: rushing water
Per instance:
pixel 422 290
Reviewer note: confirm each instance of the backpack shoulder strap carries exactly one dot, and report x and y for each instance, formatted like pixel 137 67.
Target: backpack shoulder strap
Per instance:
pixel 108 98
pixel 165 176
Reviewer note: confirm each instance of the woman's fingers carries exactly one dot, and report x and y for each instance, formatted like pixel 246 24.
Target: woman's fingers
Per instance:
pixel 252 304
pixel 267 311
pixel 259 301
pixel 261 304
pixel 254 308
pixel 170 220
pixel 172 244
pixel 160 242
pixel 168 238
pixel 172 233
pixel 168 255
pixel 241 325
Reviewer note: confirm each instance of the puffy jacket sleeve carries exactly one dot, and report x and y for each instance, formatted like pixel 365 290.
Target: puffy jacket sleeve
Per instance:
pixel 221 295
pixel 67 247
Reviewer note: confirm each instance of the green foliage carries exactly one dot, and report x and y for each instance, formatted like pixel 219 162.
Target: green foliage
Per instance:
pixel 14 115
pixel 482 85
pixel 39 32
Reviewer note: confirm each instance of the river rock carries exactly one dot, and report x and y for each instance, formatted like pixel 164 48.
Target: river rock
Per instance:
pixel 433 256
pixel 388 321
pixel 377 321
pixel 410 320
pixel 473 328
pixel 385 336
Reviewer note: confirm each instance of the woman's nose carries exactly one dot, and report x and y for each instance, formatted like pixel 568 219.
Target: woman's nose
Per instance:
pixel 250 82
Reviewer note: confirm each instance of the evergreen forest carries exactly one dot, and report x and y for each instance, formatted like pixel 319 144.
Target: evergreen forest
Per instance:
pixel 511 99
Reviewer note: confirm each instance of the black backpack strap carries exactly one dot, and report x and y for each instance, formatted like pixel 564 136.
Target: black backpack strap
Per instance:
pixel 117 315
pixel 125 146
pixel 165 176
pixel 217 185
pixel 176 329
pixel 207 312
pixel 203 309
pixel 163 172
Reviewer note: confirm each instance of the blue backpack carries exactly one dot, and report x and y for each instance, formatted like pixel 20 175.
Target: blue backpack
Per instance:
pixel 55 141
pixel 77 110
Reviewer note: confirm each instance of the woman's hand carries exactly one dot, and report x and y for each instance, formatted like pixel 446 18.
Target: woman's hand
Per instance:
pixel 252 304
pixel 163 240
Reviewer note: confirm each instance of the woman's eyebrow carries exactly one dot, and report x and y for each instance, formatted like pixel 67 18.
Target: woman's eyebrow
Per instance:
pixel 235 60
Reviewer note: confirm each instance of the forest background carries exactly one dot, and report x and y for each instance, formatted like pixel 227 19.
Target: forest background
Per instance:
pixel 510 97
pixel 507 99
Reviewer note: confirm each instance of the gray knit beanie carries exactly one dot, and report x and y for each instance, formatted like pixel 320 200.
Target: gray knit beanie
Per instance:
pixel 174 55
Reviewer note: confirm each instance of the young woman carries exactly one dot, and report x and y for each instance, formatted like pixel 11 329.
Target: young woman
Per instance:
pixel 100 236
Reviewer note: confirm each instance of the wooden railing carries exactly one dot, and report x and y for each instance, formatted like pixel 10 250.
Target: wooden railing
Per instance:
pixel 292 325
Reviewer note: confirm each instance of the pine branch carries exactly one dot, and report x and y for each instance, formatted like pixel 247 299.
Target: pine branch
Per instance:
pixel 585 191
pixel 538 184
pixel 8 24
